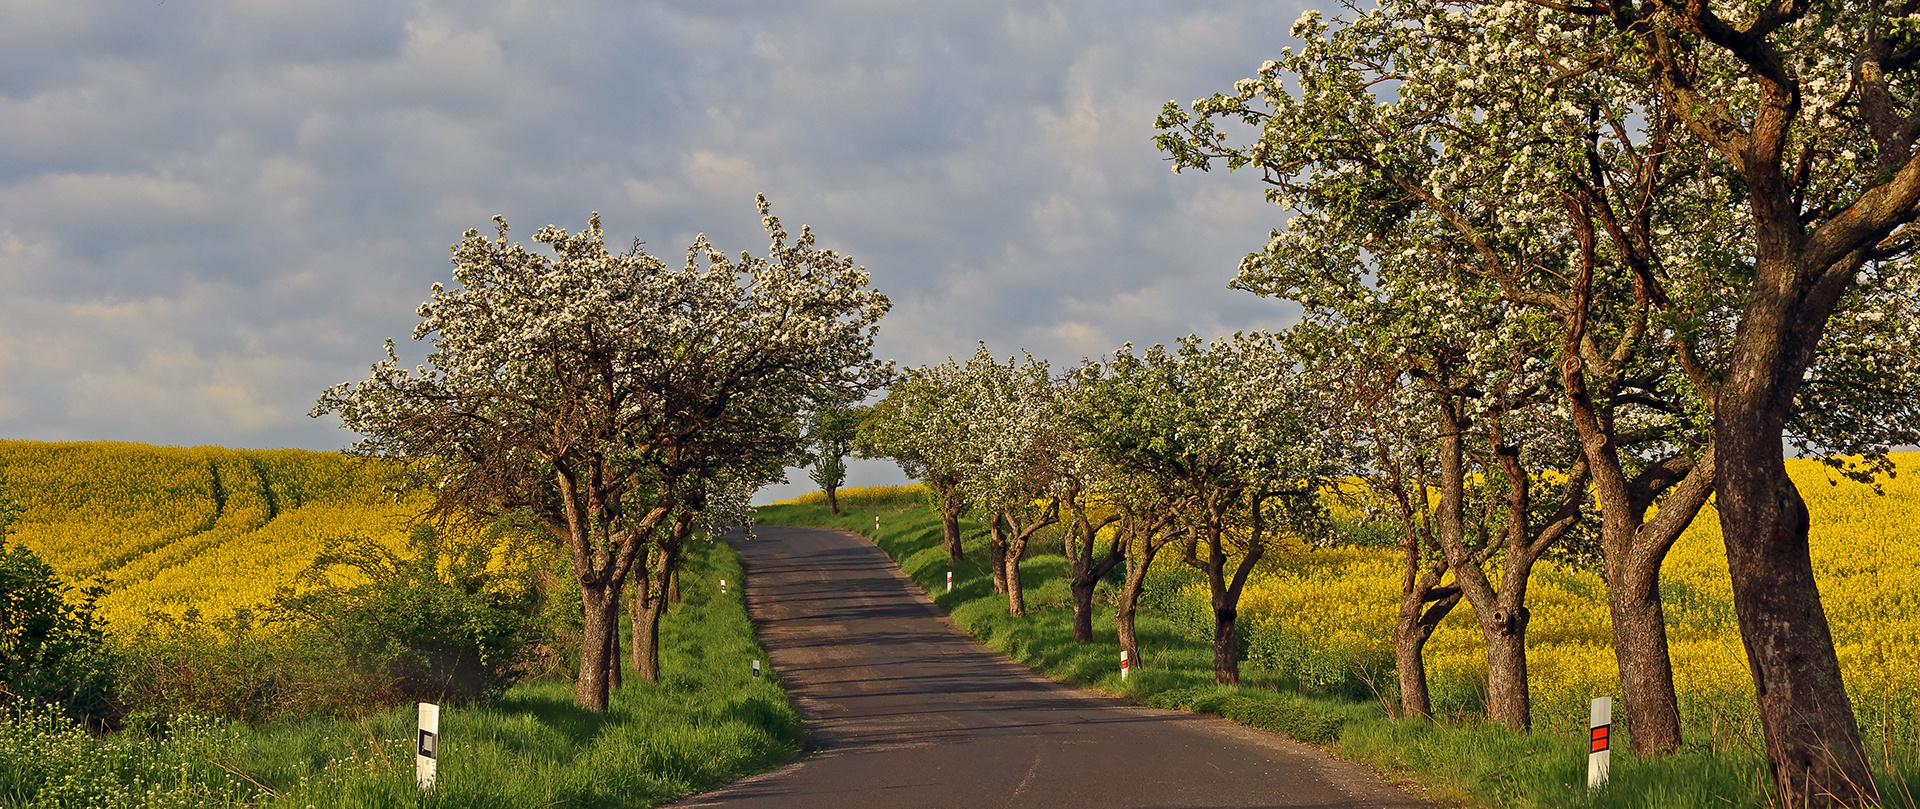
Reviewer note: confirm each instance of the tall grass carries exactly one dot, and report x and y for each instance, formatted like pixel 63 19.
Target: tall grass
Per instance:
pixel 1461 762
pixel 706 723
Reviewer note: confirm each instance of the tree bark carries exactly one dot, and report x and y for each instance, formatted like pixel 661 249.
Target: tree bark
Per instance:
pixel 1017 537
pixel 1084 570
pixel 1224 589
pixel 1813 742
pixel 1411 631
pixel 646 630
pixel 1505 630
pixel 951 504
pixel 638 619
pixel 615 677
pixel 1140 560
pixel 1502 613
pixel 1082 611
pixel 997 554
pixel 646 639
pixel 833 502
pixel 590 691
pixel 1016 592
pixel 1646 666
pixel 1226 645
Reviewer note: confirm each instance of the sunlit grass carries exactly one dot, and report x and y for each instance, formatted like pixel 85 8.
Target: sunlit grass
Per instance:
pixel 1461 762
pixel 707 723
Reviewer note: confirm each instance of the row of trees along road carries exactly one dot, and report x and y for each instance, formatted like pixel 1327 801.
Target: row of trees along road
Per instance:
pixel 1631 246
pixel 1214 446
pixel 618 403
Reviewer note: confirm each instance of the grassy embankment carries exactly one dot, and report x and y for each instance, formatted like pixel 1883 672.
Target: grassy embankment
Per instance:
pixel 1461 762
pixel 707 723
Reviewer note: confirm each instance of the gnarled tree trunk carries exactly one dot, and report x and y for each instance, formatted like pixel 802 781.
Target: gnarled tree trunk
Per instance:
pixel 646 627
pixel 1813 743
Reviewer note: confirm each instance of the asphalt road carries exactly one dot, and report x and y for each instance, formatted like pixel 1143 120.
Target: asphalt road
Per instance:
pixel 908 711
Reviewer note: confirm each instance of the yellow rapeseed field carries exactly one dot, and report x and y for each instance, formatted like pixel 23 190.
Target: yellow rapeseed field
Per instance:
pixel 173 528
pixel 1864 551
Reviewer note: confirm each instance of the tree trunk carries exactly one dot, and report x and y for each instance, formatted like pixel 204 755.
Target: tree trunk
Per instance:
pixel 637 618
pixel 1125 605
pixel 833 503
pixel 1016 593
pixel 997 554
pixel 1084 572
pixel 614 669
pixel 1224 590
pixel 646 638
pixel 1411 631
pixel 646 630
pixel 1083 611
pixel 1813 743
pixel 1646 666
pixel 590 691
pixel 1505 631
pixel 1226 646
pixel 951 504
pixel 1017 537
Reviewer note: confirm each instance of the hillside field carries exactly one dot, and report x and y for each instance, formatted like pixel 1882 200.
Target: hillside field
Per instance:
pixel 173 528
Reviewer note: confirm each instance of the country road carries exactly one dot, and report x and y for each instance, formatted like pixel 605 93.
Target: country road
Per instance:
pixel 908 711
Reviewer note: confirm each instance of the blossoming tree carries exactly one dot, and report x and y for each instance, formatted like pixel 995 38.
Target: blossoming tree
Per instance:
pixel 1699 194
pixel 607 395
pixel 922 425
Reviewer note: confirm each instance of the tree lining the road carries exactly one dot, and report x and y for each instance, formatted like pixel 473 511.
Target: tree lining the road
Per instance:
pixel 615 401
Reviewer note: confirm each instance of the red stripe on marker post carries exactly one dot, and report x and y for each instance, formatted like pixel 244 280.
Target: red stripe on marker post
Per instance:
pixel 1599 743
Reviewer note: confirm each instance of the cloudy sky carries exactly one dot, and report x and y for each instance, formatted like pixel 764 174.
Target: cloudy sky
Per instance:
pixel 210 210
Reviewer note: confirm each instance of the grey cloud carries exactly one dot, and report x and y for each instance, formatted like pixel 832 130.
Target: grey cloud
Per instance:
pixel 211 210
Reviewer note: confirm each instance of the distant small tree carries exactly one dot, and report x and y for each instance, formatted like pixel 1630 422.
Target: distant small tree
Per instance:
pixel 830 439
pixel 923 425
pixel 1222 431
pixel 1019 457
pixel 1124 414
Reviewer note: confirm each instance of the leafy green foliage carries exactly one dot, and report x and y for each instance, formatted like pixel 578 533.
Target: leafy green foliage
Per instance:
pixel 711 723
pixel 51 649
pixel 435 624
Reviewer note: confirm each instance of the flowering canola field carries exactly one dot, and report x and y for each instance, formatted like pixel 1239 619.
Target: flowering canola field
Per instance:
pixel 174 528
pixel 1864 553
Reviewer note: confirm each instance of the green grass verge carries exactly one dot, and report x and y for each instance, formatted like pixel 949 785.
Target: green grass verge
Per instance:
pixel 1452 764
pixel 708 722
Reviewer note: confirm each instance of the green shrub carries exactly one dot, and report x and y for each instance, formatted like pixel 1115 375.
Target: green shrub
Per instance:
pixel 434 625
pixel 52 650
pixel 230 667
pixel 372 629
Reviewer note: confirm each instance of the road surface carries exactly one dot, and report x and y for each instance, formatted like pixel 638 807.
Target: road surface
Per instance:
pixel 907 711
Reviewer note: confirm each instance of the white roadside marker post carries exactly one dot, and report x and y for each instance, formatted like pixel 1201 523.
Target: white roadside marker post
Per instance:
pixel 723 586
pixel 1124 664
pixel 756 669
pixel 949 581
pixel 1599 748
pixel 876 525
pixel 426 757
